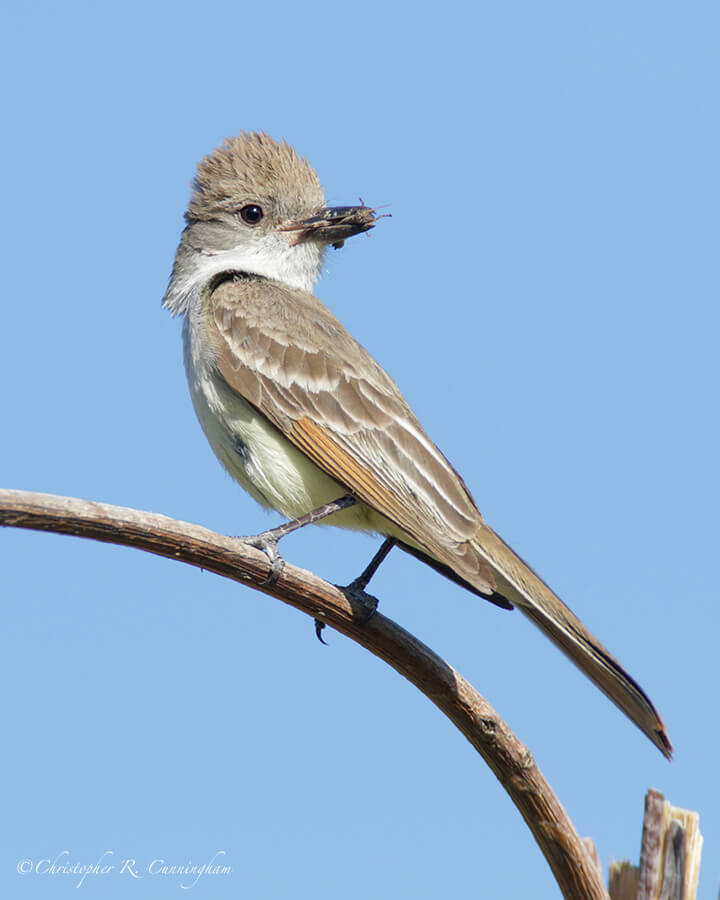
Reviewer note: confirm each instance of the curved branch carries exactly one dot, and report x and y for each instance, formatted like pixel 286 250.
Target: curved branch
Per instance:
pixel 575 871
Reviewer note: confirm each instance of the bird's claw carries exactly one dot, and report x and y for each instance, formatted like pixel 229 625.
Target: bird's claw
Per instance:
pixel 268 543
pixel 364 605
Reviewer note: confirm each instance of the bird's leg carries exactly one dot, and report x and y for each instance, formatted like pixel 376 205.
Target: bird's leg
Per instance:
pixel 355 591
pixel 267 541
pixel 362 581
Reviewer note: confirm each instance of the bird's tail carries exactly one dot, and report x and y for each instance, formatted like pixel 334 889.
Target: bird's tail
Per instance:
pixel 524 589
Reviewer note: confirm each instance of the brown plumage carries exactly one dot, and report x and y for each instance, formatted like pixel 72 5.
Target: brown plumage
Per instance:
pixel 300 413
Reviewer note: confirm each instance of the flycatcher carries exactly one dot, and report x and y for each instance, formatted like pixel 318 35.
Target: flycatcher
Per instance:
pixel 299 412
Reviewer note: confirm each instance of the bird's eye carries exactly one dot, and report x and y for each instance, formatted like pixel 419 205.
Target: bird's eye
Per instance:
pixel 251 214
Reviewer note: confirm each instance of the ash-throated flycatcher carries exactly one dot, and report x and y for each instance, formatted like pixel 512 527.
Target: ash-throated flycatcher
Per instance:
pixel 300 414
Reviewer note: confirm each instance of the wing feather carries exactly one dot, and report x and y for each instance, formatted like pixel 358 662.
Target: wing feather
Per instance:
pixel 333 402
pixel 288 356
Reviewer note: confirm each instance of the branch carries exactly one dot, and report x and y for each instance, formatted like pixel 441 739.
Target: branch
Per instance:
pixel 575 871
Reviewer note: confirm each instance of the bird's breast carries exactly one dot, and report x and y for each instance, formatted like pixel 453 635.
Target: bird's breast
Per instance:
pixel 255 452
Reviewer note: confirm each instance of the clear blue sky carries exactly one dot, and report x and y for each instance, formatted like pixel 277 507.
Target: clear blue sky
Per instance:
pixel 546 295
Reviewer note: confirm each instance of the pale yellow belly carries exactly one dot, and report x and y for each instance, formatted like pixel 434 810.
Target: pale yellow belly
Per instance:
pixel 268 466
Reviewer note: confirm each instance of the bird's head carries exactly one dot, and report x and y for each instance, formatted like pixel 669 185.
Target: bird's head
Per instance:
pixel 258 207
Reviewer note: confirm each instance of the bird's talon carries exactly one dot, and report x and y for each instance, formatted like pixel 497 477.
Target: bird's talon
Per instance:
pixel 364 606
pixel 276 568
pixel 268 543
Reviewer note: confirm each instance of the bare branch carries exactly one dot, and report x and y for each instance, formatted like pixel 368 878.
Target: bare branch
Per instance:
pixel 575 871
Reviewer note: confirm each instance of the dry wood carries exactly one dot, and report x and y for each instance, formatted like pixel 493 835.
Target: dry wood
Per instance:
pixel 649 874
pixel 669 858
pixel 623 880
pixel 575 870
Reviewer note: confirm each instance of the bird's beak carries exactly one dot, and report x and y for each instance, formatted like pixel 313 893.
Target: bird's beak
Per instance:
pixel 332 225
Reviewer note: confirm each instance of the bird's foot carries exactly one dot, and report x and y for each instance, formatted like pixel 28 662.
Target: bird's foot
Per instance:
pixel 267 541
pixel 364 605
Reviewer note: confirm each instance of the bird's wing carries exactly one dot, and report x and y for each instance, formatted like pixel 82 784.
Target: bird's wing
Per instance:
pixel 287 355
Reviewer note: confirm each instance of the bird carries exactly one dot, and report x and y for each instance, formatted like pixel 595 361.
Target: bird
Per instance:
pixel 302 416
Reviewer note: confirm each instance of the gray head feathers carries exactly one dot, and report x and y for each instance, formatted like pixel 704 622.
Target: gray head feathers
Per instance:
pixel 249 168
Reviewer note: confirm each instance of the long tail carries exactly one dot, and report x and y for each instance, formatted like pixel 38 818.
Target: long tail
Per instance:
pixel 522 587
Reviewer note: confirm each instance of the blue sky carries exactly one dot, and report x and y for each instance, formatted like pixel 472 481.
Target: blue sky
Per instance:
pixel 545 294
